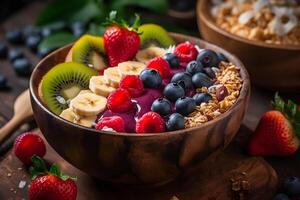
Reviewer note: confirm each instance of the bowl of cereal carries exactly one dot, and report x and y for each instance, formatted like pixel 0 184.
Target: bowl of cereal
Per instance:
pixel 144 120
pixel 264 34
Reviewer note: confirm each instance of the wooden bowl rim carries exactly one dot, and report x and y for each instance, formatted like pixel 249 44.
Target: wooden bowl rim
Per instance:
pixel 242 96
pixel 202 12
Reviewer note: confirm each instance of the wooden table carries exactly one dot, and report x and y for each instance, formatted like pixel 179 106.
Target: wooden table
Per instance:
pixel 259 101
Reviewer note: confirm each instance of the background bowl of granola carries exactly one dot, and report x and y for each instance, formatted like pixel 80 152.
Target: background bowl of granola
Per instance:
pixel 265 35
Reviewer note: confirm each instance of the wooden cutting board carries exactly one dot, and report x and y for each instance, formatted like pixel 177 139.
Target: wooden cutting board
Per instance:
pixel 228 174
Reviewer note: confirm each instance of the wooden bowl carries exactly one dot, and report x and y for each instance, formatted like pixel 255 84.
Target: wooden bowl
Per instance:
pixel 136 158
pixel 274 67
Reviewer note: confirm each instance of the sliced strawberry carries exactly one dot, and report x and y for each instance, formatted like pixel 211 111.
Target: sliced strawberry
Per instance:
pixel 133 85
pixel 161 65
pixel 116 123
pixel 150 122
pixel 119 101
pixel 186 52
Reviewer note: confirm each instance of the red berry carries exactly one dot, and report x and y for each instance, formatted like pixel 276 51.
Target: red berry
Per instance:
pixel 119 101
pixel 186 52
pixel 116 123
pixel 161 65
pixel 133 85
pixel 150 122
pixel 27 145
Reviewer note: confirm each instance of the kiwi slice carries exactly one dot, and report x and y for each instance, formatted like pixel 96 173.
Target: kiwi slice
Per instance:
pixel 154 35
pixel 63 82
pixel 90 51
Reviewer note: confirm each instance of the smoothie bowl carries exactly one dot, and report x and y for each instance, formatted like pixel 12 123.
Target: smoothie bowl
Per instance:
pixel 143 120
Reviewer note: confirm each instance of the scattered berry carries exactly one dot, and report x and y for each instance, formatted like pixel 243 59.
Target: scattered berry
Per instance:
pixel 119 101
pixel 162 106
pixel 151 78
pixel 175 122
pixel 22 67
pixel 116 123
pixel 161 65
pixel 46 32
pixel 172 59
pixel 208 58
pixel 150 122
pixel 3 50
pixel 185 105
pixel 133 85
pixel 281 196
pixel 27 145
pixel 184 79
pixel 209 72
pixel 33 41
pixel 3 82
pixel 222 57
pixel 14 54
pixel 30 31
pixel 194 67
pixel 14 36
pixel 78 28
pixel 202 98
pixel 291 185
pixel 186 52
pixel 173 91
pixel 201 80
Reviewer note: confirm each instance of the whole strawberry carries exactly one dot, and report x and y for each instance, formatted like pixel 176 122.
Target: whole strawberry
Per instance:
pixel 277 131
pixel 50 185
pixel 121 41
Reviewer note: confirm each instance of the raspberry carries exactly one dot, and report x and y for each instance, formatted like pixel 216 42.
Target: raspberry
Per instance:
pixel 133 85
pixel 150 122
pixel 119 101
pixel 161 65
pixel 27 145
pixel 116 123
pixel 186 52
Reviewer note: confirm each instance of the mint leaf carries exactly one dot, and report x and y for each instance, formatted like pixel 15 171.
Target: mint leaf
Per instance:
pixel 38 164
pixel 57 40
pixel 159 6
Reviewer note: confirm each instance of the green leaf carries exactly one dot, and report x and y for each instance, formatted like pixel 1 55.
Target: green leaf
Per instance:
pixel 291 109
pixel 159 6
pixel 55 170
pixel 57 40
pixel 97 30
pixel 38 164
pixel 90 11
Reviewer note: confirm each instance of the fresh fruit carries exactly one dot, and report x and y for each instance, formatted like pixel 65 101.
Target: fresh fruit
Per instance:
pixel 63 82
pixel 90 51
pixel 100 86
pixel 202 98
pixel 194 67
pixel 222 57
pixel 33 41
pixel 73 117
pixel 121 42
pixel 52 184
pixel 186 52
pixel 149 53
pixel 154 35
pixel 162 106
pixel 201 80
pixel 291 185
pixel 184 79
pixel 119 101
pixel 131 68
pixel 209 72
pixel 30 31
pixel 54 27
pixel 133 85
pixel 276 132
pixel 88 104
pixel 281 196
pixel 151 78
pixel 3 82
pixel 172 59
pixel 208 58
pixel 115 123
pixel 28 144
pixel 175 122
pixel 22 66
pixel 14 54
pixel 150 122
pixel 14 36
pixel 3 50
pixel 113 76
pixel 173 91
pixel 185 105
pixel 161 65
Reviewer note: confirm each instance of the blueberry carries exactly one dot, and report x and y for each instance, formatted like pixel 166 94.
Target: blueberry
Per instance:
pixel 30 31
pixel 22 67
pixel 46 31
pixel 14 54
pixel 202 98
pixel 201 80
pixel 184 79
pixel 173 91
pixel 14 36
pixel 151 78
pixel 291 185
pixel 3 50
pixel 194 67
pixel 185 105
pixel 281 196
pixel 162 106
pixel 33 41
pixel 53 28
pixel 78 28
pixel 222 57
pixel 3 82
pixel 175 122
pixel 208 58
pixel 44 52
pixel 209 72
pixel 172 59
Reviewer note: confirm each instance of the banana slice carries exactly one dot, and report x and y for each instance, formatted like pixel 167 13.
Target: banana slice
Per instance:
pixel 88 104
pixel 100 86
pixel 149 53
pixel 71 116
pixel 84 92
pixel 131 68
pixel 113 76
